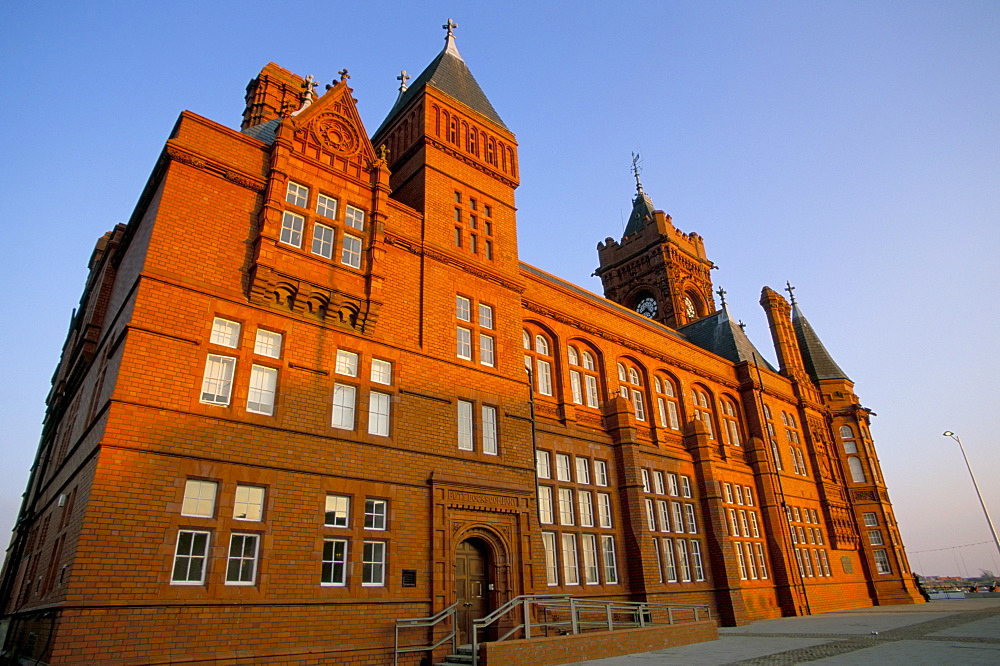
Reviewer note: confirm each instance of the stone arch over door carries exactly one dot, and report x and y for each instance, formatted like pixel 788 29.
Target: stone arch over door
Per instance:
pixel 497 574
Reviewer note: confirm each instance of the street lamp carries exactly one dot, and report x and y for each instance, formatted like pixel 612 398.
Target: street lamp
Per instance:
pixel 993 530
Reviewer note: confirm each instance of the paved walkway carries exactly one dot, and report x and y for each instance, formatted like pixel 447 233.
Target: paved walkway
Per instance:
pixel 939 633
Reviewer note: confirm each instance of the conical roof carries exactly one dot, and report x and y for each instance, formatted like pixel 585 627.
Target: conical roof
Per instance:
pixel 449 74
pixel 819 364
pixel 642 208
pixel 719 334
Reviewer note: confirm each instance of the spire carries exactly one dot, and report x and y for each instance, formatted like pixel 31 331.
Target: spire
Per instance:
pixel 642 205
pixel 817 360
pixel 449 74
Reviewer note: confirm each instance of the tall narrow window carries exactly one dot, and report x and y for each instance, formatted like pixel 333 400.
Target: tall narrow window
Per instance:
pixel 217 384
pixel 604 509
pixel 463 343
pixel 489 424
pixel 351 252
pixel 571 571
pixel 544 505
pixel 857 470
pixel 738 547
pixel 376 511
pixel 373 563
pixel 702 410
pixel 600 473
pixel 543 465
pixel 682 560
pixel 730 422
pixel 610 562
pixel 590 380
pixel 590 572
pixel 322 244
pixel 699 569
pixel 551 566
pixel 465 426
pixel 343 406
pixel 582 470
pixel 633 388
pixel 378 413
pixel 565 506
pixel 334 562
pixel 563 467
pixel 260 397
pixel 761 564
pixel 666 404
pixel 463 308
pixel 486 353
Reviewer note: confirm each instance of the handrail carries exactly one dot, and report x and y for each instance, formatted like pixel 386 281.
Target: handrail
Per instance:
pixel 428 621
pixel 640 611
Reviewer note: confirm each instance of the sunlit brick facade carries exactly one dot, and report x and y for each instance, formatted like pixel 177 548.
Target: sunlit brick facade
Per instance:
pixel 310 389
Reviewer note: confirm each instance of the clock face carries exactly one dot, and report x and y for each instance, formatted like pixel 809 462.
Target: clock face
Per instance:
pixel 646 307
pixel 689 308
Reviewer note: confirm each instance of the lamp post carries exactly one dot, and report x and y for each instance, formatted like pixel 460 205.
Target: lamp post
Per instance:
pixel 993 530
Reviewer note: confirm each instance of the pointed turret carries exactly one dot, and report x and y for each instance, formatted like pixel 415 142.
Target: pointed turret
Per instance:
pixel 817 360
pixel 449 74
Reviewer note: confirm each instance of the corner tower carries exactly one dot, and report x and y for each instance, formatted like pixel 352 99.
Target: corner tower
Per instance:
pixel 453 159
pixel 656 269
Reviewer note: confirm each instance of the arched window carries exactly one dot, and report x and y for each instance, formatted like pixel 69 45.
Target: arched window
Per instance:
pixel 773 438
pixel 703 409
pixel 667 406
pixel 730 422
pixel 631 389
pixel 582 382
pixel 574 355
pixel 538 362
pixel 847 435
pixel 857 470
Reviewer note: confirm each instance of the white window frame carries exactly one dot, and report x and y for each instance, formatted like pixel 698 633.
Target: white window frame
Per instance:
pixel 297 195
pixel 489 430
pixel 543 466
pixel 190 556
pixel 576 386
pixel 585 500
pixel 672 484
pixel 217 382
pixel 566 511
pixel 592 394
pixel 267 343
pixel 379 405
pixel 463 309
pixel 551 562
pixel 583 470
pixel 263 387
pixel 242 559
pixel 326 206
pixel 337 508
pixel 292 226
pixel 545 516
pixel 697 565
pixel 658 485
pixel 685 486
pixel 692 522
pixel 376 514
pixel 591 571
pixel 604 510
pixel 600 473
pixel 381 372
pixel 251 500
pixel 225 333
pixel 486 316
pixel 487 350
pixel 563 467
pixel 332 560
pixel 610 559
pixel 463 343
pixel 669 562
pixel 199 498
pixel 571 566
pixel 466 426
pixel 373 564
pixel 347 363
pixel 350 251
pixel 683 561
pixel 323 240
pixel 544 377
pixel 344 406
pixel 354 217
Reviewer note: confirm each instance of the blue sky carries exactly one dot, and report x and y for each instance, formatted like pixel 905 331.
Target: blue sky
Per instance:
pixel 852 148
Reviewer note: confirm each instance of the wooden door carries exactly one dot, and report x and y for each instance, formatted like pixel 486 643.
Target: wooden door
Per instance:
pixel 471 587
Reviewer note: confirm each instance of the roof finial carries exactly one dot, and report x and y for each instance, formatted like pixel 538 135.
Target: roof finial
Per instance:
pixel 450 27
pixel 743 327
pixel 403 78
pixel 635 172
pixel 308 94
pixel 722 295
pixel 791 291
pixel 343 74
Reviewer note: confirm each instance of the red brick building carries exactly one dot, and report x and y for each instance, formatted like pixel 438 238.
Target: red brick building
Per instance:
pixel 293 406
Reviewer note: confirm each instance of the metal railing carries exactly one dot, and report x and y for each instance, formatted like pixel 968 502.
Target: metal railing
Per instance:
pixel 537 614
pixel 430 621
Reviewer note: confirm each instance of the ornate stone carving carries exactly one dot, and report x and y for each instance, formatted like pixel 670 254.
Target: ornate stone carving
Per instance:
pixel 336 134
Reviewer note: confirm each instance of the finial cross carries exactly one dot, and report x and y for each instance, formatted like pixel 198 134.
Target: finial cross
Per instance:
pixel 635 172
pixel 791 291
pixel 722 295
pixel 403 78
pixel 450 27
pixel 343 74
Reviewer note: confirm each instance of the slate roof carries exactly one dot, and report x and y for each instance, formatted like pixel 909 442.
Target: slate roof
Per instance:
pixel 819 364
pixel 449 74
pixel 719 334
pixel 642 208
pixel 265 131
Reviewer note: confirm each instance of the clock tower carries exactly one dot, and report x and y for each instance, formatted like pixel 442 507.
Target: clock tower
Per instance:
pixel 656 270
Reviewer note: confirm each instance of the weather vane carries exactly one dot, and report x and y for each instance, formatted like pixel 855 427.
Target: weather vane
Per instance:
pixel 635 172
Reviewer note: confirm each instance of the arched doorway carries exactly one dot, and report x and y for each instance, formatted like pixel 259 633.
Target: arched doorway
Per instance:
pixel 472 584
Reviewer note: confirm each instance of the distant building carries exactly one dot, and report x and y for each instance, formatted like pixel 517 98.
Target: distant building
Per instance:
pixel 293 406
